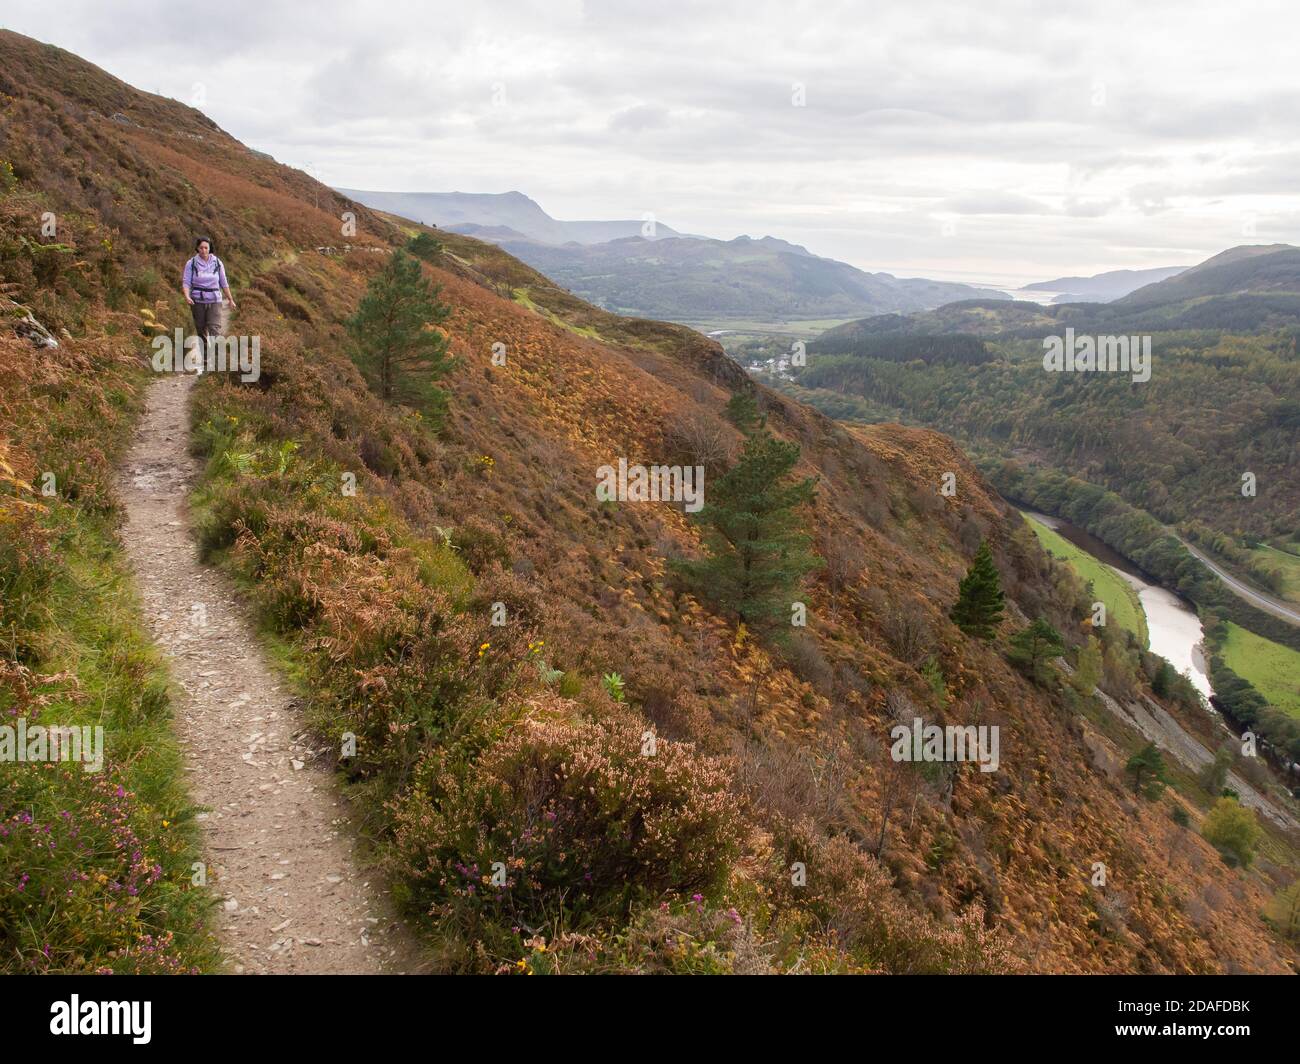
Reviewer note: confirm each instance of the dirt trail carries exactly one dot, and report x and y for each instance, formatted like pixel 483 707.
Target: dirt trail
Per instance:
pixel 277 843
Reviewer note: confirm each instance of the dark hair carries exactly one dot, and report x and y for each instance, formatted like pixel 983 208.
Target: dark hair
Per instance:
pixel 203 240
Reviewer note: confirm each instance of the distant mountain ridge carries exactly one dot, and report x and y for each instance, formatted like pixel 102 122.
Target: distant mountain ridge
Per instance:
pixel 692 279
pixel 479 212
pixel 1247 289
pixel 656 271
pixel 1102 287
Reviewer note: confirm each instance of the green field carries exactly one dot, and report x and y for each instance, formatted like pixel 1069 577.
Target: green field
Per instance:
pixel 1122 604
pixel 1274 670
pixel 1288 563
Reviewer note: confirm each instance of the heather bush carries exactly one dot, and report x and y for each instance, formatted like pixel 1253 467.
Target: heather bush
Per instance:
pixel 79 884
pixel 682 936
pixel 480 546
pixel 687 937
pixel 575 822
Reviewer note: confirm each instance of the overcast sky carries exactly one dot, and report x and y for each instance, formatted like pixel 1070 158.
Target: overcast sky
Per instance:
pixel 1000 141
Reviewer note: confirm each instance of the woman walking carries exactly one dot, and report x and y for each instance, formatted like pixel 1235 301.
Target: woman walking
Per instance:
pixel 203 280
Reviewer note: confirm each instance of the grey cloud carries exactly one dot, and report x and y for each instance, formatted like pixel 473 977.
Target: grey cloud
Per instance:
pixel 994 203
pixel 988 113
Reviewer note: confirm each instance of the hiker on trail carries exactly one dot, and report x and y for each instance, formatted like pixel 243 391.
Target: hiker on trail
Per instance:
pixel 203 280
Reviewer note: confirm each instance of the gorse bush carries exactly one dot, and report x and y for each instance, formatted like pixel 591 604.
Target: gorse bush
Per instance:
pixel 1233 830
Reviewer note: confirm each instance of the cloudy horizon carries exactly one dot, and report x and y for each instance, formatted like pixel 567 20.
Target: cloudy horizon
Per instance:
pixel 1000 145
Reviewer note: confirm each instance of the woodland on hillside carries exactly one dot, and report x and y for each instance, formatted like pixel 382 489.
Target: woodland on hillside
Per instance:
pixel 1217 406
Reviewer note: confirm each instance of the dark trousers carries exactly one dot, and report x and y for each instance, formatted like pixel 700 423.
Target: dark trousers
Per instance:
pixel 208 318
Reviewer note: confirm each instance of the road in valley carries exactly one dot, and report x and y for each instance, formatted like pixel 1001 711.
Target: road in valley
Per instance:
pixel 1255 598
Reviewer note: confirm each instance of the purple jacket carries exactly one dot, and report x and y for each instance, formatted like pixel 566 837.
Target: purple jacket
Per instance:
pixel 205 279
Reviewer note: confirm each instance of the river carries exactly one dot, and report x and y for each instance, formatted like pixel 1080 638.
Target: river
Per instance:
pixel 1174 627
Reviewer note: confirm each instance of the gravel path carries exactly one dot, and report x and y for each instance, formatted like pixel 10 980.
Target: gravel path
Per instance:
pixel 278 846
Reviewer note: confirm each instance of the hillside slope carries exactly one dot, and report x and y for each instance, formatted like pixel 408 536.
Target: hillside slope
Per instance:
pixel 471 751
pixel 1255 269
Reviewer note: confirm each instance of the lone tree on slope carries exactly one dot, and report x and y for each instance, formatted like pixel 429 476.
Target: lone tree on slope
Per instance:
pixel 395 345
pixel 979 597
pixel 757 547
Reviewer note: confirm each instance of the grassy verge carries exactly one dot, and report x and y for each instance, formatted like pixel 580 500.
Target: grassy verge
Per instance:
pixel 1272 669
pixel 524 298
pixel 99 870
pixel 1122 603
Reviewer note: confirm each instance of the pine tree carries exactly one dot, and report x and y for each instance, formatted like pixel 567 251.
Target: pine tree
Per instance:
pixel 1033 647
pixel 979 597
pixel 742 411
pixel 424 246
pixel 1148 764
pixel 757 549
pixel 395 348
